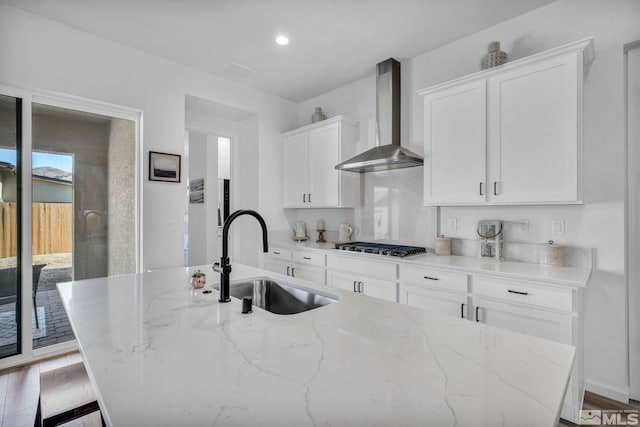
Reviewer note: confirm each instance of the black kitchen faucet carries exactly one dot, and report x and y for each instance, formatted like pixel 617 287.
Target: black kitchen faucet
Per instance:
pixel 224 267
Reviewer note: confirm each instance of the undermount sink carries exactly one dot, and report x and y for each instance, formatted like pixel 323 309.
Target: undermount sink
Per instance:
pixel 280 297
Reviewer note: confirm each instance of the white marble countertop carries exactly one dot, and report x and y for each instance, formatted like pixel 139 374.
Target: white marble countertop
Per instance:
pixel 572 276
pixel 162 354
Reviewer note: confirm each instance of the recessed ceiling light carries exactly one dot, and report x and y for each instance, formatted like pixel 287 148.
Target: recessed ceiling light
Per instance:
pixel 282 40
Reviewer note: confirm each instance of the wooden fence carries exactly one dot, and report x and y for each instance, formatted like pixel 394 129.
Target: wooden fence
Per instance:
pixel 52 228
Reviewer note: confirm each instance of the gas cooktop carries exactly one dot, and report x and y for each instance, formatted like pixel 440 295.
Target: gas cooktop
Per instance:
pixel 380 248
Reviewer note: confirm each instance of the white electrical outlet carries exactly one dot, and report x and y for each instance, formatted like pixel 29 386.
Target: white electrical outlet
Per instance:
pixel 524 226
pixel 557 226
pixel 453 224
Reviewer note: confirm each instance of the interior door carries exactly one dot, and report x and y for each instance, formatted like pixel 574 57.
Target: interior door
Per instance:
pixel 633 206
pixel 295 171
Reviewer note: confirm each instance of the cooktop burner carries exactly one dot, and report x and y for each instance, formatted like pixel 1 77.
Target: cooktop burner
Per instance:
pixel 380 248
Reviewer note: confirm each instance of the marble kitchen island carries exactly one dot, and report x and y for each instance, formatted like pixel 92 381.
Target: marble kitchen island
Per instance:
pixel 161 354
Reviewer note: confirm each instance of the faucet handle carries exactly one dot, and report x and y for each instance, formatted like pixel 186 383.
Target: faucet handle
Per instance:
pixel 216 267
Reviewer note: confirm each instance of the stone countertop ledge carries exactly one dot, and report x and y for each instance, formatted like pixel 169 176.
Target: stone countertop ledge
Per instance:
pixel 159 353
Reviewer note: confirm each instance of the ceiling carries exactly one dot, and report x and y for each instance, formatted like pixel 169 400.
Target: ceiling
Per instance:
pixel 333 42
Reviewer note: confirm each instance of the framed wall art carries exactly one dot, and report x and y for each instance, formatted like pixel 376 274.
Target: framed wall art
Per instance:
pixel 164 167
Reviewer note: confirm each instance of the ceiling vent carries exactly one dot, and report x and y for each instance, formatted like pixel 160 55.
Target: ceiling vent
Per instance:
pixel 237 71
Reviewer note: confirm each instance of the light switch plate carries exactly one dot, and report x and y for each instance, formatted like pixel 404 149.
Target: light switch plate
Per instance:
pixel 557 226
pixel 453 224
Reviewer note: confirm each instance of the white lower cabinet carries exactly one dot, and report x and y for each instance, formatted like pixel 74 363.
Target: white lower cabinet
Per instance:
pixel 296 263
pixel 435 301
pixel 377 288
pixel 277 266
pixel 308 272
pixel 543 311
pixel 548 311
pixel 373 278
pixel 531 321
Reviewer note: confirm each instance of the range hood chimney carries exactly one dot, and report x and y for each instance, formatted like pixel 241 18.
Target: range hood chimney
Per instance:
pixel 388 154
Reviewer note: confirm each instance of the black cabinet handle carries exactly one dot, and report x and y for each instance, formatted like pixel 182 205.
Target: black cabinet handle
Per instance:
pixel 306 257
pixel 354 286
pixel 477 318
pixel 293 272
pixel 431 278
pixel 276 253
pixel 481 189
pixel 304 198
pixel 517 292
pixel 288 270
pixel 309 197
pixel 495 188
pixel 462 310
pixel 360 287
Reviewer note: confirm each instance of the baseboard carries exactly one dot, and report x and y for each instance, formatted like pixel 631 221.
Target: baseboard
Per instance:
pixel 618 394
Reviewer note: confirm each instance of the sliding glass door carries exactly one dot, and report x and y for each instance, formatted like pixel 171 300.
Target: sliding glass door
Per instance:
pixel 78 203
pixel 10 282
pixel 83 207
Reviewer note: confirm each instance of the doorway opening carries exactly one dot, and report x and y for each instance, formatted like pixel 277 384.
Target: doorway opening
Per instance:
pixel 209 161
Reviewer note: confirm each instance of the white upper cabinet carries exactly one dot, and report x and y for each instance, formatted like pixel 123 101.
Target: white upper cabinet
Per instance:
pixel 455 144
pixel 508 135
pixel 310 156
pixel 533 132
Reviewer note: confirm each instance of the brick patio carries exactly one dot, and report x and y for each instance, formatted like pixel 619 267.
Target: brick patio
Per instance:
pixel 57 324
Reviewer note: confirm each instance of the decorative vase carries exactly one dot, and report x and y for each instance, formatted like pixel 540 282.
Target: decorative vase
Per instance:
pixel 198 282
pixel 318 115
pixel 494 57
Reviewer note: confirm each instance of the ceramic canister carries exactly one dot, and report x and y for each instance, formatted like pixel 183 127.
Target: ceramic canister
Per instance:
pixel 552 254
pixel 443 246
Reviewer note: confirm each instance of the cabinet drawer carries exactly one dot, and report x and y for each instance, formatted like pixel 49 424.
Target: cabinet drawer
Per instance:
pixel 434 301
pixel 309 258
pixel 523 293
pixel 280 253
pixel 374 269
pixel 448 280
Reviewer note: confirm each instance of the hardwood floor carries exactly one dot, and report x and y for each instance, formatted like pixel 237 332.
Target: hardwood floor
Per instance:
pixel 20 388
pixel 594 401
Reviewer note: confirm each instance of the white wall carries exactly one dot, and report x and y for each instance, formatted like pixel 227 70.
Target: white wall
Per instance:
pixel 599 223
pixel 42 54
pixel 198 230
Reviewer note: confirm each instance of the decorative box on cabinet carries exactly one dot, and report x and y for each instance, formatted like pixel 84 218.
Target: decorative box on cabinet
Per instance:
pixel 508 135
pixel 310 155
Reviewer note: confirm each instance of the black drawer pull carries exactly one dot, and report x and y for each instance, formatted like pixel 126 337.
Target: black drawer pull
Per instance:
pixel 517 292
pixel 276 253
pixel 462 310
pixel 477 318
pixel 431 278
pixel 306 257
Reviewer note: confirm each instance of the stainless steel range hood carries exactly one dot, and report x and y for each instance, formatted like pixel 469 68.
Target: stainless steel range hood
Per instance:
pixel 388 154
